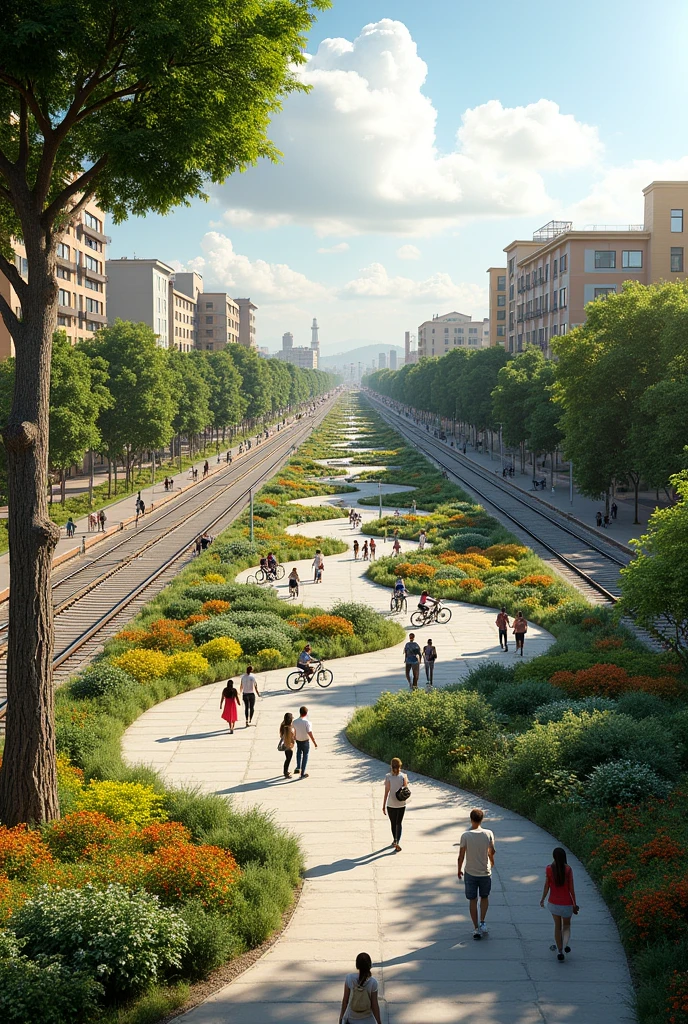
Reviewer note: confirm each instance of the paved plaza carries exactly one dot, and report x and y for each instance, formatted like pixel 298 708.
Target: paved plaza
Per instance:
pixel 408 909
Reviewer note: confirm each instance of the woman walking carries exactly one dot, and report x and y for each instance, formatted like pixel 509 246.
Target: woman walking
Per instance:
pixel 356 550
pixel 429 659
pixel 422 537
pixel 230 699
pixel 364 553
pixel 562 900
pixel 396 547
pixel 392 806
pixel 520 628
pixel 294 583
pixel 287 741
pixel 360 1002
pixel 372 549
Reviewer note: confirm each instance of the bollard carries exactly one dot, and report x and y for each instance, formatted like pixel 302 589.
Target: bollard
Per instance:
pixel 83 545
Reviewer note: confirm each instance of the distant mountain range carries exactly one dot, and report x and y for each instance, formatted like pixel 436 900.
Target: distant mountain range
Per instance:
pixel 363 354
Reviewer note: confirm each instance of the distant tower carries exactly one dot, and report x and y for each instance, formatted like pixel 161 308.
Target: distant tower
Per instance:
pixel 392 359
pixel 287 340
pixel 407 348
pixel 382 361
pixel 314 335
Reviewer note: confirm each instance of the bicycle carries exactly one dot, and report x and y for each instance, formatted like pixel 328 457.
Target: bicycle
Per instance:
pixel 266 575
pixel 398 603
pixel 298 679
pixel 435 614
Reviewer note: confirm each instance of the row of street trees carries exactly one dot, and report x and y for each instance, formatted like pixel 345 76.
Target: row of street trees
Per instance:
pixel 121 395
pixel 614 400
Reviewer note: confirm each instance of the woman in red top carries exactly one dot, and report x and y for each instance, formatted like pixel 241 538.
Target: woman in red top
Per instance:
pixel 562 900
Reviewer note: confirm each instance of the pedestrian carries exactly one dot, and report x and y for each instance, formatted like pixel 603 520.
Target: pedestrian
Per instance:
pixel 606 520
pixel 286 741
pixel 422 537
pixel 249 690
pixel 429 659
pixel 360 1002
pixel 92 521
pixel 520 629
pixel 294 583
pixel 198 547
pixel 562 900
pixel 206 468
pixel 598 518
pixel 396 547
pixel 364 552
pixel 70 527
pixel 477 850
pixel 102 519
pixel 318 566
pixel 412 653
pixel 304 735
pixel 228 457
pixel 142 506
pixel 502 623
pixel 230 699
pixel 356 550
pixel 393 804
pixel 615 510
pixel 206 541
pixel 372 549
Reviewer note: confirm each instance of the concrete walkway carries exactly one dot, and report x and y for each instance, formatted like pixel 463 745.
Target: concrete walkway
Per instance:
pixel 407 910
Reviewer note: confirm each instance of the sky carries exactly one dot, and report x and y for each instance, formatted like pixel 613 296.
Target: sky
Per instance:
pixel 434 134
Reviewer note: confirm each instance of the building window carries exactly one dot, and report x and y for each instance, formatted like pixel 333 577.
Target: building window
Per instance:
pixel 605 260
pixel 64 298
pixel 63 251
pixel 94 286
pixel 63 321
pixel 562 298
pixel 208 305
pixel 501 332
pixel 555 297
pixel 501 283
pixel 92 305
pixel 602 293
pixel 632 259
pixel 677 220
pixel 92 263
pixel 527 281
pixel 63 274
pixel 91 221
pixel 472 330
pixel 546 272
pixel 501 300
pixel 210 333
pixel 446 330
pixel 677 259
pixel 501 314
pixel 91 326
pixel 563 328
pixel 208 319
pixel 541 336
pixel 555 267
pixel 92 244
pixel 511 265
pixel 563 264
pixel 511 291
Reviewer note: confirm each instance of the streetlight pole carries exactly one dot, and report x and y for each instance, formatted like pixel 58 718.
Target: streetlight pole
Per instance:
pixel 250 515
pixel 570 481
pixel 379 489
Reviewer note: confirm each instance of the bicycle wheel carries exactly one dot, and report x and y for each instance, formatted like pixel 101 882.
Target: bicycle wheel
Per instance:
pixel 296 680
pixel 260 576
pixel 393 604
pixel 324 677
pixel 251 579
pixel 279 572
pixel 444 615
pixel 404 605
pixel 418 619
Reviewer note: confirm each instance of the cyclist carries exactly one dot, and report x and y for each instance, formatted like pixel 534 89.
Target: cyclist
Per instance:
pixel 304 662
pixel 400 591
pixel 426 603
pixel 294 583
pixel 264 563
pixel 272 563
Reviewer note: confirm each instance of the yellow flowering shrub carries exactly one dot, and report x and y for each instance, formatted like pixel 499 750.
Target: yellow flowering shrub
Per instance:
pixel 130 802
pixel 187 663
pixel 471 584
pixel 222 648
pixel 479 561
pixel 68 776
pixel 143 665
pixel 214 577
pixel 269 657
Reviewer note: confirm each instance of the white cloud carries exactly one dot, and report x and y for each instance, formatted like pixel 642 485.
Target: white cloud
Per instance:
pixel 360 151
pixel 340 247
pixel 408 252
pixel 617 197
pixel 224 268
pixel 374 282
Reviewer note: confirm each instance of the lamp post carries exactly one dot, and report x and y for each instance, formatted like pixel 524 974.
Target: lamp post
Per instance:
pixel 379 490
pixel 501 450
pixel 250 515
pixel 570 481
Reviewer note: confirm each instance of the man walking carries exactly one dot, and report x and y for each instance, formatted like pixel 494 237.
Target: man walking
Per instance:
pixel 249 690
pixel 477 850
pixel 412 653
pixel 502 623
pixel 304 735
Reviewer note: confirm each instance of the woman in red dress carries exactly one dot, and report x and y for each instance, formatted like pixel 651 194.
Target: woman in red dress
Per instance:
pixel 230 699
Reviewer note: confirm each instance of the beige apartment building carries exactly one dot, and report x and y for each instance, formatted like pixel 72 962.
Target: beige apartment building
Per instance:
pixel 82 279
pixel 247 323
pixel 184 290
pixel 218 321
pixel 497 286
pixel 440 335
pixel 552 278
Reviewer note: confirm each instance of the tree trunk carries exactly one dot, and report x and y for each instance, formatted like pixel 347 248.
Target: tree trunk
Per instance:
pixel 28 779
pixel 63 492
pixel 109 477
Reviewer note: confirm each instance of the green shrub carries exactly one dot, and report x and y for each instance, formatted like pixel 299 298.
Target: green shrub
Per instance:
pixel 487 678
pixel 202 813
pixel 472 539
pixel 211 941
pixel 126 939
pixel 253 837
pixel 103 678
pixel 181 607
pixel 610 737
pixel 521 698
pixel 554 711
pixel 263 894
pixel 641 705
pixel 365 620
pixel 624 782
pixel 46 991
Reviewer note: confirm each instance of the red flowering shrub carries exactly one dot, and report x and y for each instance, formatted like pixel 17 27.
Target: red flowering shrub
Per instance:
pixel 22 852
pixel 166 635
pixel 163 833
pixel 591 622
pixel 215 607
pixel 659 911
pixel 329 625
pixel 82 834
pixel 608 643
pixel 181 872
pixel 193 619
pixel 607 680
pixel 471 584
pixel 661 847
pixel 677 998
pixel 536 580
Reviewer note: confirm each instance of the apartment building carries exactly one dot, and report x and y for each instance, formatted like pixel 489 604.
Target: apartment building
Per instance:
pixel 218 321
pixel 498 306
pixel 552 278
pixel 139 290
pixel 184 290
pixel 440 335
pixel 247 323
pixel 82 280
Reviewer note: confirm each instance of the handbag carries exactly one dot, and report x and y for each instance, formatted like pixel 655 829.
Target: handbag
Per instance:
pixel 403 793
pixel 280 745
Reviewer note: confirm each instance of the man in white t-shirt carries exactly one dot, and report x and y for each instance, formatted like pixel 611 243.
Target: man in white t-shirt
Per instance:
pixel 477 849
pixel 304 735
pixel 249 691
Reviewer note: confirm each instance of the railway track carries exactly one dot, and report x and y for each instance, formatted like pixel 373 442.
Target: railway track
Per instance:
pixel 590 565
pixel 93 599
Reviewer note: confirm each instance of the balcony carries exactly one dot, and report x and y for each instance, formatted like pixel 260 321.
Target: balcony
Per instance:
pixel 66 311
pixel 66 264
pixel 84 229
pixel 93 275
pixel 98 318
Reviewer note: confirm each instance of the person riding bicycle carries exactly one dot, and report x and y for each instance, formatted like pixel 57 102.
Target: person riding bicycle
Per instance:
pixel 272 563
pixel 427 604
pixel 304 662
pixel 264 563
pixel 399 590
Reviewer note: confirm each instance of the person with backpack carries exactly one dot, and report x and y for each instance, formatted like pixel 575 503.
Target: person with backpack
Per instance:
pixel 360 1002
pixel 502 623
pixel 429 659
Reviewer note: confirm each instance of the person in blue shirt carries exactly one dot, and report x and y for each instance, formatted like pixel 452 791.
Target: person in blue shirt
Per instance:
pixel 304 662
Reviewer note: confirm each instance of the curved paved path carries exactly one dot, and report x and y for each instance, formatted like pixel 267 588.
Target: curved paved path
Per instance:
pixel 407 910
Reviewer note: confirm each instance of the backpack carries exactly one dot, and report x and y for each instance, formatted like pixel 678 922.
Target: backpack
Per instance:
pixel 360 998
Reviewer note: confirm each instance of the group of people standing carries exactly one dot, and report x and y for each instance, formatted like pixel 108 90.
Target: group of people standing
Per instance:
pixel 367 551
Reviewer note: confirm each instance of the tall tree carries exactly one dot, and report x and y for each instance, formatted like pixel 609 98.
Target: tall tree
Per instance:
pixel 139 103
pixel 256 381
pixel 191 396
pixel 227 404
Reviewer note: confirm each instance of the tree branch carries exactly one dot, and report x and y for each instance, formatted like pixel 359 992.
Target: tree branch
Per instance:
pixel 133 90
pixel 80 184
pixel 12 322
pixel 13 276
pixel 28 94
pixel 23 157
